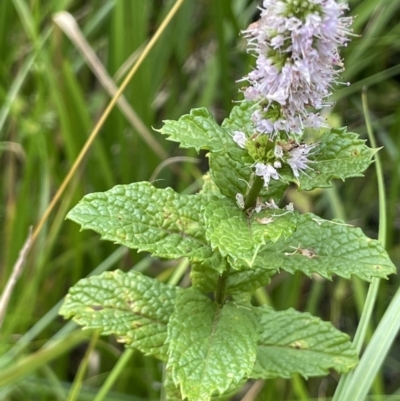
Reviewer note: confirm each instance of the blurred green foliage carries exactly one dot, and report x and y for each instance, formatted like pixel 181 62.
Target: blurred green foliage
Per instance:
pixel 50 100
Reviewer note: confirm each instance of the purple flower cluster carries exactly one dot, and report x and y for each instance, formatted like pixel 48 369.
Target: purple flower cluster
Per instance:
pixel 296 44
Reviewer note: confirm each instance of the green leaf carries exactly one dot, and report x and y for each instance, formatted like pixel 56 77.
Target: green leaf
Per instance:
pixel 204 278
pixel 133 307
pixel 240 237
pixel 209 188
pixel 292 342
pixel 210 348
pixel 172 392
pixel 243 284
pixel 328 247
pixel 240 284
pixel 231 171
pixel 340 154
pixel 140 216
pixel 240 118
pixel 197 130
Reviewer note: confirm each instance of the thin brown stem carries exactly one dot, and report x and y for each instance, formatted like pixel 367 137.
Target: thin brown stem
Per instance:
pixel 16 272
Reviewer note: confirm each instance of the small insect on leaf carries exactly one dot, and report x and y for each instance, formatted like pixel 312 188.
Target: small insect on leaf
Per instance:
pixel 265 220
pixel 308 253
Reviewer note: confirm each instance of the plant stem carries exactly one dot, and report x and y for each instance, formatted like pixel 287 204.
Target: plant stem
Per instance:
pixel 221 287
pixel 351 380
pixel 255 189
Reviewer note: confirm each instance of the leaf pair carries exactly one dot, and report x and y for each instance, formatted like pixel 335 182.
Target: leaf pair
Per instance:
pixel 208 348
pixel 340 154
pixel 211 231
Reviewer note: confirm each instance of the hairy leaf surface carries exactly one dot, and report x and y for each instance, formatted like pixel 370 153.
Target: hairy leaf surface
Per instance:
pixel 240 118
pixel 203 278
pixel 328 247
pixel 209 188
pixel 239 237
pixel 340 154
pixel 210 348
pixel 140 216
pixel 231 171
pixel 133 307
pixel 240 284
pixel 198 130
pixel 172 392
pixel 243 284
pixel 293 342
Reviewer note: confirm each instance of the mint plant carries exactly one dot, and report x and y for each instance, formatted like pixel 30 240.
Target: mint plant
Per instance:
pixel 236 232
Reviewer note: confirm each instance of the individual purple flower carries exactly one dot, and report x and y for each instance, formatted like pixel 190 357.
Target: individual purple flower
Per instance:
pixel 266 171
pixel 298 158
pixel 296 44
pixel 240 138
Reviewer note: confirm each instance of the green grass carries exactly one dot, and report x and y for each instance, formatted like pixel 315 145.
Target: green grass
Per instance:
pixel 50 101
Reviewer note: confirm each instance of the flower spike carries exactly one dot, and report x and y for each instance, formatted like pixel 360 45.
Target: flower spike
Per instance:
pixel 296 44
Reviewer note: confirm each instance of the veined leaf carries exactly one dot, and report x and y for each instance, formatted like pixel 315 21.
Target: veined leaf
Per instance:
pixel 140 216
pixel 133 307
pixel 210 348
pixel 239 237
pixel 231 171
pixel 240 118
pixel 172 392
pixel 197 130
pixel 327 247
pixel 241 284
pixel 203 278
pixel 340 154
pixel 292 342
pixel 209 188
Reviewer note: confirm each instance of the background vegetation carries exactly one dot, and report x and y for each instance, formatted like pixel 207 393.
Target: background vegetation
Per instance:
pixel 50 99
